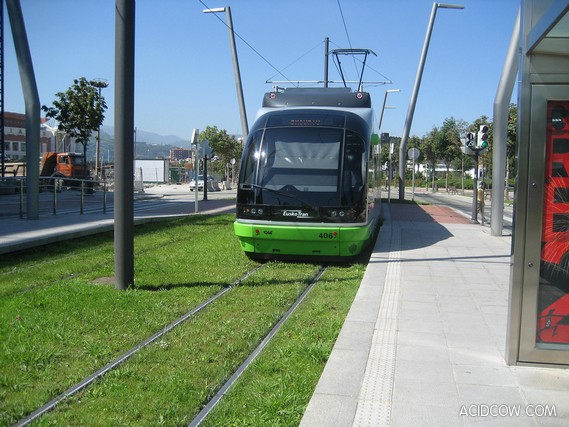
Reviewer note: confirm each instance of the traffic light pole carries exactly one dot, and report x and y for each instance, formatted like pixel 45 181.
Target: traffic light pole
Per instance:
pixel 482 144
pixel 205 180
pixel 474 218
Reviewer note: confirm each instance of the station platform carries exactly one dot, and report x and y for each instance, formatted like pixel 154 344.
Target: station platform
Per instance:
pixel 424 341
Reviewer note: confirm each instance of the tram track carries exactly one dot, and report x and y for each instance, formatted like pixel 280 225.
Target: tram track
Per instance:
pixel 81 385
pixel 223 387
pixel 210 405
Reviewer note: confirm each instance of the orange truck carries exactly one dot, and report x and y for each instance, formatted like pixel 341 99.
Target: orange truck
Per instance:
pixel 69 168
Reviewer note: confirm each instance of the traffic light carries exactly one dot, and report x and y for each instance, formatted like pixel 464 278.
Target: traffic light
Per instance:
pixel 470 140
pixel 483 137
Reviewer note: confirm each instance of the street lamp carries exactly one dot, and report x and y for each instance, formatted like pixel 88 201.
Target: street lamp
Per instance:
pixel 101 84
pixel 413 101
pixel 387 92
pixel 239 87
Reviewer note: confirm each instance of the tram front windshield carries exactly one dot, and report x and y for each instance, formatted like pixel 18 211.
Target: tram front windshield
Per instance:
pixel 306 164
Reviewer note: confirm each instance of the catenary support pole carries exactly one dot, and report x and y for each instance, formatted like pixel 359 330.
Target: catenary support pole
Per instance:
pixel 32 105
pixel 413 101
pixel 326 57
pixel 501 116
pixel 237 72
pixel 124 143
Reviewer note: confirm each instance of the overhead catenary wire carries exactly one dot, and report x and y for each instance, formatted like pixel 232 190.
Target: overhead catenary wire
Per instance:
pixel 280 72
pixel 347 33
pixel 248 44
pixel 296 60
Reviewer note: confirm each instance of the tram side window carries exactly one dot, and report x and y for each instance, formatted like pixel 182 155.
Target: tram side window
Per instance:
pixel 250 159
pixel 353 170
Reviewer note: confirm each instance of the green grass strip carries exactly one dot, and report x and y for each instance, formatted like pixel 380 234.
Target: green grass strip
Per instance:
pixel 277 387
pixel 58 324
pixel 61 320
pixel 167 382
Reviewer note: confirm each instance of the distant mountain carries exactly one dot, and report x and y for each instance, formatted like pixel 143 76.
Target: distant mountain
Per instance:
pixel 150 137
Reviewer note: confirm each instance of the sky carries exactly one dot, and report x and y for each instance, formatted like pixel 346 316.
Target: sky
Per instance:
pixel 184 74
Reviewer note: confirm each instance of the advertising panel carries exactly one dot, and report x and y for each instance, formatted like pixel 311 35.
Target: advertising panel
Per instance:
pixel 553 295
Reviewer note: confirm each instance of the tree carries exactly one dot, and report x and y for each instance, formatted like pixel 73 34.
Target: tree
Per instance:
pixel 449 143
pixel 79 111
pixel 430 151
pixel 225 147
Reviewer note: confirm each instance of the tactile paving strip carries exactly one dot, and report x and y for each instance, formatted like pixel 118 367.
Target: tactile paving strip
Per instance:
pixel 374 402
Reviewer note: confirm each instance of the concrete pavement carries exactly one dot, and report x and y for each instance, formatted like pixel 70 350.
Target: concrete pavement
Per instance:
pixel 424 341
pixel 157 203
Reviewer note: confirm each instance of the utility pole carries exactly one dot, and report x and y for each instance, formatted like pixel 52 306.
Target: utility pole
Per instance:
pixel 326 57
pixel 124 143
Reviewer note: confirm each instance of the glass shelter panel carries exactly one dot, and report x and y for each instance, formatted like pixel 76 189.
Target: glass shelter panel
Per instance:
pixel 553 294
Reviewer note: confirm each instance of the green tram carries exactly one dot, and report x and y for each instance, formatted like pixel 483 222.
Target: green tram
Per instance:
pixel 309 179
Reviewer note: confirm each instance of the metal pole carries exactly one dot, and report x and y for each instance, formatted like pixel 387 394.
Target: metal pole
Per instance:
pixel 413 181
pixel 100 84
pixel 195 137
pixel 501 116
pixel 21 198
pixel 82 200
pixel 2 92
pixel 382 110
pixel 474 217
pixel 205 182
pixel 124 143
pixel 413 101
pixel 326 57
pixel 462 175
pixel 32 105
pixel 239 87
pixel 389 173
pixel 55 187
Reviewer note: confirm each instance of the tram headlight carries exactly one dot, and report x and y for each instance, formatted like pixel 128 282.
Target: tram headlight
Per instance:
pixel 254 211
pixel 334 214
pixel 342 214
pixel 260 211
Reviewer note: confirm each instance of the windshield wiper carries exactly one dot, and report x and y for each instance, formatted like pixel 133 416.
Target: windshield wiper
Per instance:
pixel 292 196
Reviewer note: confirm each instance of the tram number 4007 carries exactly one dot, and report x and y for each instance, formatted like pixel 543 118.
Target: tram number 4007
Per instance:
pixel 327 235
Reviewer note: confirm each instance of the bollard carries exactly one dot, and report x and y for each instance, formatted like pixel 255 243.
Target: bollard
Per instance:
pixel 55 185
pixel 105 197
pixel 21 198
pixel 82 193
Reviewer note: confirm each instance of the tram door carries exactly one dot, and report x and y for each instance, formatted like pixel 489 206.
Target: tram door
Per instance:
pixel 545 316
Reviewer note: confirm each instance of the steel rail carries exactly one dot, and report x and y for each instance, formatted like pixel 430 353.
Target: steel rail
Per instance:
pixel 225 387
pixel 125 356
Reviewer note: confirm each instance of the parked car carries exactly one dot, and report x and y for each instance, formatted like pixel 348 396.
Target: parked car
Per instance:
pixel 210 178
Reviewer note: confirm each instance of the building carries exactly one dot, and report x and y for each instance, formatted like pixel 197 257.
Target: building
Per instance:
pixel 180 154
pixel 15 138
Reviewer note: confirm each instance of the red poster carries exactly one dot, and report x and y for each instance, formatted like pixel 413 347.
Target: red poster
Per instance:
pixel 553 303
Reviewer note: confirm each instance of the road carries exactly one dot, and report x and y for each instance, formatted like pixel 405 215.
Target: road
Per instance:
pixel 155 200
pixel 178 199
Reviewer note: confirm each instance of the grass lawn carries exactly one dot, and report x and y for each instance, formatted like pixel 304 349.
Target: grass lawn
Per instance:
pixel 61 319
